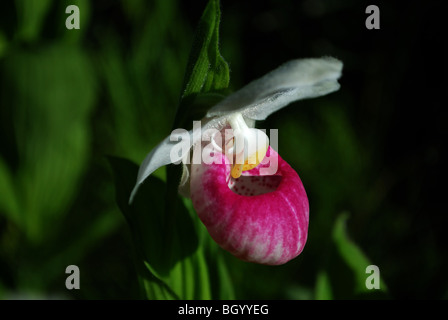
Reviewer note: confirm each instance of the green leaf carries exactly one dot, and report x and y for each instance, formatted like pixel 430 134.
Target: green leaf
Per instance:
pixel 31 16
pixel 352 255
pixel 48 96
pixel 8 201
pixel 323 287
pixel 170 262
pixel 207 71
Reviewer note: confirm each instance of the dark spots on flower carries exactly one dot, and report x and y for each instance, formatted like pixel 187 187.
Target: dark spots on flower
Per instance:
pixel 255 185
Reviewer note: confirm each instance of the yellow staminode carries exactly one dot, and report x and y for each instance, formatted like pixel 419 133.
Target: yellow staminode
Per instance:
pixel 253 159
pixel 249 146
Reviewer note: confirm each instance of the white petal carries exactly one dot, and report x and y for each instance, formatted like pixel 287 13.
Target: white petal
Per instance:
pixel 162 155
pixel 294 80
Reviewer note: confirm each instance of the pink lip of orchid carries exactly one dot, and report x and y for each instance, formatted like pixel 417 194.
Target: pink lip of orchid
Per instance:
pixel 257 217
pixel 262 219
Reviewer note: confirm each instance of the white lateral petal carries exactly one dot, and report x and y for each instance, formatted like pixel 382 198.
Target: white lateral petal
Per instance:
pixel 294 80
pixel 162 155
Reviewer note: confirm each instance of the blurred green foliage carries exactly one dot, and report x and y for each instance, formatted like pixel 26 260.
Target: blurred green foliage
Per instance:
pixel 70 98
pixel 172 244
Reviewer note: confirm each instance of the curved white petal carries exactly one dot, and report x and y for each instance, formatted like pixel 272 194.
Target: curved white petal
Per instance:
pixel 162 155
pixel 294 80
pixel 173 149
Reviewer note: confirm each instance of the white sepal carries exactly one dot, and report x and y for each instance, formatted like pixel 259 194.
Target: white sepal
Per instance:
pixel 162 155
pixel 294 80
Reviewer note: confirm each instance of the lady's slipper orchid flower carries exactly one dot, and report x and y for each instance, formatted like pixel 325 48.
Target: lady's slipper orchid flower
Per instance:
pixel 254 213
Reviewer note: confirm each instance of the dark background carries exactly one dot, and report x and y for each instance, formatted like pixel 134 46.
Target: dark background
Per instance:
pixel 374 149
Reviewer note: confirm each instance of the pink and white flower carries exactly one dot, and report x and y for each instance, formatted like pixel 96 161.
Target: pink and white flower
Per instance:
pixel 254 213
